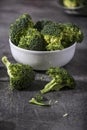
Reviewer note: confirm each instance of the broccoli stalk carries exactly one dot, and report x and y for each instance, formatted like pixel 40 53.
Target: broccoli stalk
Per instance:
pixel 21 76
pixel 52 85
pixel 60 79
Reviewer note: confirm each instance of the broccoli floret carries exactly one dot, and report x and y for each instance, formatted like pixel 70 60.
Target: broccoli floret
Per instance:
pixel 51 33
pixel 60 79
pixel 21 76
pixel 40 24
pixel 60 35
pixel 72 3
pixel 19 28
pixel 70 34
pixel 33 40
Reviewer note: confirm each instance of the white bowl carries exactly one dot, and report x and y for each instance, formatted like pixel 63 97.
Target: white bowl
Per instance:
pixel 42 60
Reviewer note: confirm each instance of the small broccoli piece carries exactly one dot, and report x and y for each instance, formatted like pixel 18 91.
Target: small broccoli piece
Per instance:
pixel 40 100
pixel 19 28
pixel 21 76
pixel 72 3
pixel 33 40
pixel 40 24
pixel 60 79
pixel 51 33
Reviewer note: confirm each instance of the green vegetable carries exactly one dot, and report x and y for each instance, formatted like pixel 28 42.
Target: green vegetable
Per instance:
pixel 33 40
pixel 51 33
pixel 70 34
pixel 44 35
pixel 59 35
pixel 21 76
pixel 40 24
pixel 60 79
pixel 72 3
pixel 19 27
pixel 40 100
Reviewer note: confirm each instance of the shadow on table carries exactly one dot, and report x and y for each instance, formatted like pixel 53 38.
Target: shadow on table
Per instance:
pixel 37 85
pixel 6 125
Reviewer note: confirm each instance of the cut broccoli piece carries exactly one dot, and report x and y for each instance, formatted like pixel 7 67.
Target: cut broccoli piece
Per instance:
pixel 40 100
pixel 21 76
pixel 19 28
pixel 33 40
pixel 60 79
pixel 72 3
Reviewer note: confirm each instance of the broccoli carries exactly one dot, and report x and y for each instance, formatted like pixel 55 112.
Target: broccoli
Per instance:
pixel 61 35
pixel 33 40
pixel 70 34
pixel 40 100
pixel 21 76
pixel 72 3
pixel 40 24
pixel 60 79
pixel 51 33
pixel 19 28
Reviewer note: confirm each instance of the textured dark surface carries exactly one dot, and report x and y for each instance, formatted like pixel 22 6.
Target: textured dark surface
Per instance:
pixel 15 111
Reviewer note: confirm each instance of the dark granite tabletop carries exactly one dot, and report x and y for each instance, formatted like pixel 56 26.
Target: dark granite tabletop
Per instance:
pixel 15 111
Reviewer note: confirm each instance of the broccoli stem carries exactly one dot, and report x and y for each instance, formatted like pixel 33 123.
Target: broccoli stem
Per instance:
pixel 5 61
pixel 52 85
pixel 36 102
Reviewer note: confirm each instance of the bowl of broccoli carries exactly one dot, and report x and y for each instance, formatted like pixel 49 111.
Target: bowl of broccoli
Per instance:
pixel 43 44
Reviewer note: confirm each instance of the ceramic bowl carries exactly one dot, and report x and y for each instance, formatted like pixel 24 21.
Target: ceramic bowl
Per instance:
pixel 42 60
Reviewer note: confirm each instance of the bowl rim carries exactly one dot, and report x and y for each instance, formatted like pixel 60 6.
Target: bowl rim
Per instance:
pixel 41 52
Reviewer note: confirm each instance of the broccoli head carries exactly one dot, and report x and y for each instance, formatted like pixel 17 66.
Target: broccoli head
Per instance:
pixel 21 76
pixel 19 28
pixel 72 3
pixel 70 34
pixel 60 79
pixel 33 40
pixel 51 33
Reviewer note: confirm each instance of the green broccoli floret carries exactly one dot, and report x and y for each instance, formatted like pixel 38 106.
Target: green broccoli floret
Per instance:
pixel 19 28
pixel 40 24
pixel 70 34
pixel 60 79
pixel 21 76
pixel 61 35
pixel 72 3
pixel 51 33
pixel 33 40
